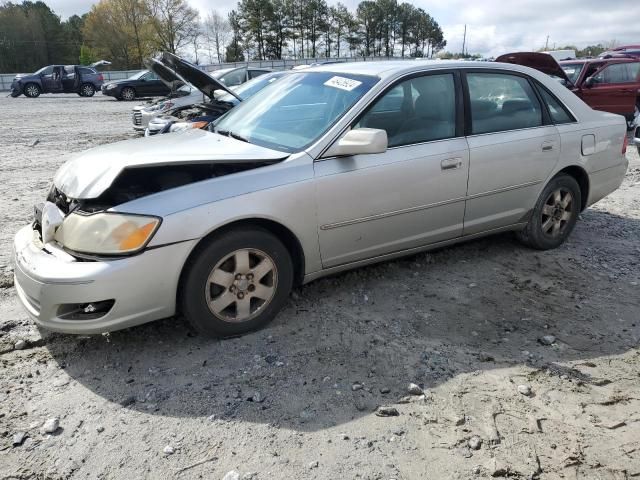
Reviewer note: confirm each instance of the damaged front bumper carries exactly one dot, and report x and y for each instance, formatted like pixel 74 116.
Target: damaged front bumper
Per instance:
pixel 70 295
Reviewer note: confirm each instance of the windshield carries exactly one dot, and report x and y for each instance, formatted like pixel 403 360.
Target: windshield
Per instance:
pixel 250 88
pixel 295 111
pixel 136 76
pixel 572 70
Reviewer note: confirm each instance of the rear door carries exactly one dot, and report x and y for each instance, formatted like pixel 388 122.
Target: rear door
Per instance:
pixel 513 147
pixel 615 88
pixel 409 196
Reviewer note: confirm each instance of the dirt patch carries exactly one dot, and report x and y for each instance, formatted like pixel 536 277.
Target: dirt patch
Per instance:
pixel 471 325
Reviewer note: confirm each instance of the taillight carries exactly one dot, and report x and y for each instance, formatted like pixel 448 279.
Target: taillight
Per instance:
pixel 101 78
pixel 625 144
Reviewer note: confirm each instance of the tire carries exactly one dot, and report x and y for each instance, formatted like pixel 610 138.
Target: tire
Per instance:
pixel 87 90
pixel 128 94
pixel 221 294
pixel 635 119
pixel 32 90
pixel 553 217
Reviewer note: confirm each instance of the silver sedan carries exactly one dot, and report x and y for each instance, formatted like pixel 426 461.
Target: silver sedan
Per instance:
pixel 328 169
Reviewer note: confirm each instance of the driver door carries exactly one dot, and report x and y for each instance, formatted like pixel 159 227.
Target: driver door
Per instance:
pixel 409 196
pixel 52 81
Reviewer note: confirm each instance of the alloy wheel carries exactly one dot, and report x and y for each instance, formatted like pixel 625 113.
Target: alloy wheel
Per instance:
pixel 87 90
pixel 557 212
pixel 128 94
pixel 241 285
pixel 32 91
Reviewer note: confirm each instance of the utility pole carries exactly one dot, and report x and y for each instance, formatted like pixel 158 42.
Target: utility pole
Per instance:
pixel 464 38
pixel 546 45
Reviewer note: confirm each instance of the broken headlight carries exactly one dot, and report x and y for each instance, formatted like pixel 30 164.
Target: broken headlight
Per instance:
pixel 106 233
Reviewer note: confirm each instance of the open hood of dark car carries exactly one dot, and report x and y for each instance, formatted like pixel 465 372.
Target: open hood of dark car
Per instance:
pixel 542 62
pixel 196 77
pixel 169 77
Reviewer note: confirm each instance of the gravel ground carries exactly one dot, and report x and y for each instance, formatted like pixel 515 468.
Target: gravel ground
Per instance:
pixel 528 362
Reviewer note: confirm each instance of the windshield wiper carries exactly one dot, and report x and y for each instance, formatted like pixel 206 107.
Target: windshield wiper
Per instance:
pixel 231 134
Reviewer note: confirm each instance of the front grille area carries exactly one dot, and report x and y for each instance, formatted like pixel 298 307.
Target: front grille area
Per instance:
pixel 137 117
pixel 64 203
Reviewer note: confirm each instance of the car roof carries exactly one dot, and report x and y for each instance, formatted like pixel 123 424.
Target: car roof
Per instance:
pixel 601 60
pixel 392 68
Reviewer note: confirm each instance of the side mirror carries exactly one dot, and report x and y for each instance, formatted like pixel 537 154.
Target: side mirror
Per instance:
pixel 359 141
pixel 589 82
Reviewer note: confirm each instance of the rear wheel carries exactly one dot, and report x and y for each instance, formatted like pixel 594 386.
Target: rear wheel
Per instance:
pixel 554 215
pixel 236 282
pixel 635 120
pixel 32 90
pixel 87 90
pixel 128 94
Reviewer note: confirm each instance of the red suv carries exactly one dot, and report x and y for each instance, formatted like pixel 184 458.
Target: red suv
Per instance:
pixel 607 84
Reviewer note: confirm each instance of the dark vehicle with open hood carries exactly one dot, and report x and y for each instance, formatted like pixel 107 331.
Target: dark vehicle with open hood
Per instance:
pixel 220 97
pixel 606 84
pixel 80 79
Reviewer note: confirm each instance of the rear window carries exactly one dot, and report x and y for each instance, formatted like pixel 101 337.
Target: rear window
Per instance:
pixel 559 113
pixel 501 102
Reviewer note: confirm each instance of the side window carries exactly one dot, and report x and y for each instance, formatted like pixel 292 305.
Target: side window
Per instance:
pixel 559 113
pixel 47 71
pixel 235 77
pixel 618 73
pixel 256 73
pixel 502 102
pixel 421 109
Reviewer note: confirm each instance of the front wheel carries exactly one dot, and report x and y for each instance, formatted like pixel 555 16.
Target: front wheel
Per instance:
pixel 554 215
pixel 128 94
pixel 32 90
pixel 236 282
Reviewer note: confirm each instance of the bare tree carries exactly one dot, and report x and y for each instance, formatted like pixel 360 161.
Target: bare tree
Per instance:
pixel 217 32
pixel 174 22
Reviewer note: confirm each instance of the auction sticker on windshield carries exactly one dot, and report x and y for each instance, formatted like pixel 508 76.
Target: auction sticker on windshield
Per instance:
pixel 343 83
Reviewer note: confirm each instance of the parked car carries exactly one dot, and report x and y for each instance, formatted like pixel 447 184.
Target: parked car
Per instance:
pixel 58 79
pixel 636 139
pixel 329 168
pixel 189 95
pixel 202 114
pixel 611 85
pixel 182 93
pixel 238 75
pixel 629 51
pixel 141 84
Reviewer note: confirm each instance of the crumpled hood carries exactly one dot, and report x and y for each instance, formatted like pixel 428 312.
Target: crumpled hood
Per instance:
pixel 90 173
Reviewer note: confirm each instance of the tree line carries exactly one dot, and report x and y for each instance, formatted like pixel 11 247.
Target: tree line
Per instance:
pixel 126 31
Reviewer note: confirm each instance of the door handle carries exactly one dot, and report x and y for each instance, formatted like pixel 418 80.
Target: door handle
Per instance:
pixel 451 163
pixel 547 146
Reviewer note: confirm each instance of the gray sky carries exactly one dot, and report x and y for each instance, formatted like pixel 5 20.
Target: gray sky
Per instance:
pixel 493 26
